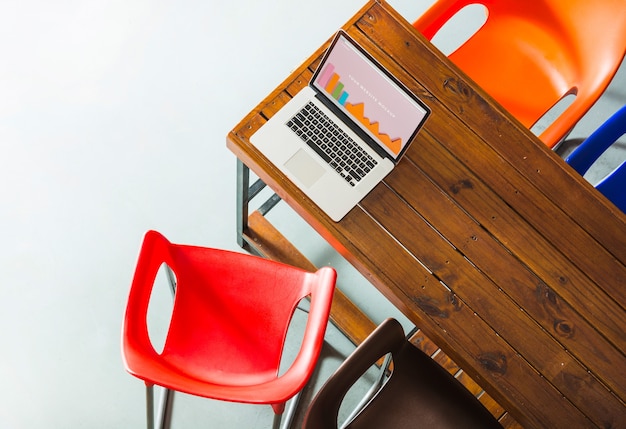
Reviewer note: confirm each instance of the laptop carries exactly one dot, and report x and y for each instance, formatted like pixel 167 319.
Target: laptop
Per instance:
pixel 344 132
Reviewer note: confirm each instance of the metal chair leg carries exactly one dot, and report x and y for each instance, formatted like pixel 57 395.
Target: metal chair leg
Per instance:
pixel 277 421
pixel 150 406
pixel 171 277
pixel 290 412
pixel 165 409
pixel 378 383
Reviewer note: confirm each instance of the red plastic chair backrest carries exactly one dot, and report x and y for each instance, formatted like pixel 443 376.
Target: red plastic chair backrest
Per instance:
pixel 529 55
pixel 229 320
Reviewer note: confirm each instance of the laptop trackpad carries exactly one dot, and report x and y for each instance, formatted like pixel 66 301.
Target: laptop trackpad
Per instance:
pixel 305 168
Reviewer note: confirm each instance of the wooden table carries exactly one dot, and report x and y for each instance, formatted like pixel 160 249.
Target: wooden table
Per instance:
pixel 513 264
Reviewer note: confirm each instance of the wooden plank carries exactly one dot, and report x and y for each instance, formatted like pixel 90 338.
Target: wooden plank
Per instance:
pixel 605 277
pixel 514 237
pixel 479 111
pixel 300 82
pixel 449 365
pixel 496 409
pixel 425 344
pixel 586 290
pixel 470 384
pixel 438 311
pixel 468 285
pixel 523 193
pixel 508 422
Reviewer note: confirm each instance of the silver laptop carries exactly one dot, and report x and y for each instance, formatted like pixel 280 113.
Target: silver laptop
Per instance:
pixel 344 132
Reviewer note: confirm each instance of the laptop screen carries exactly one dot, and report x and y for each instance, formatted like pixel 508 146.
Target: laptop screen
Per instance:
pixel 370 96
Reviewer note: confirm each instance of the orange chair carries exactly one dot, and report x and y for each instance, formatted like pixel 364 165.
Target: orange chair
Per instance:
pixel 529 55
pixel 228 325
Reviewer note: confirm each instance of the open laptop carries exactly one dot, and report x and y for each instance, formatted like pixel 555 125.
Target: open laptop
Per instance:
pixel 344 132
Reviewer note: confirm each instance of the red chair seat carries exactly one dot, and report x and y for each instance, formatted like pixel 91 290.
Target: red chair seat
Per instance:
pixel 228 326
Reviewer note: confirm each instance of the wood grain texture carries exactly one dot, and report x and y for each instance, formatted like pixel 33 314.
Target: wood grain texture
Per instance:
pixel 507 259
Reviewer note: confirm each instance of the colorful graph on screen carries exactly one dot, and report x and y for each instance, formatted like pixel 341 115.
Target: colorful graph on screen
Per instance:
pixel 332 83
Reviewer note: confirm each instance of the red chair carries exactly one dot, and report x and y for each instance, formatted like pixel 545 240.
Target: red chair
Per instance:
pixel 529 55
pixel 229 321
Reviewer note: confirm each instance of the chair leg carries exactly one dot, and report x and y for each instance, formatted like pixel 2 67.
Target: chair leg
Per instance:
pixel 171 277
pixel 165 409
pixel 290 412
pixel 150 406
pixel 277 421
pixel 378 383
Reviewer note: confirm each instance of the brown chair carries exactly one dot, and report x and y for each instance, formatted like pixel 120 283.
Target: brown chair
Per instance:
pixel 418 394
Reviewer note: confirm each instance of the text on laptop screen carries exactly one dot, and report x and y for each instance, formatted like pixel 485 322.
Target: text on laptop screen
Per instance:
pixel 365 93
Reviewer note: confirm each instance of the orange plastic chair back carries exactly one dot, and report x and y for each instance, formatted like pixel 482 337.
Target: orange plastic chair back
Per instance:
pixel 228 326
pixel 529 55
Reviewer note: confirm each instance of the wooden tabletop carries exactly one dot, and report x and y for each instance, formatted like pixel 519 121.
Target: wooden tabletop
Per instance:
pixel 511 262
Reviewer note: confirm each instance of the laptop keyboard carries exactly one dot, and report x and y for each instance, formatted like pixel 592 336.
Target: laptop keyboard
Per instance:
pixel 326 138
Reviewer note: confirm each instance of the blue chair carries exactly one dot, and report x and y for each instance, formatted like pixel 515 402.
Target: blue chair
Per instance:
pixel 613 186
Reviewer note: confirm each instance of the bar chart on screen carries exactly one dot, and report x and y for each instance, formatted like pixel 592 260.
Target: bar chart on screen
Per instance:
pixel 341 91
